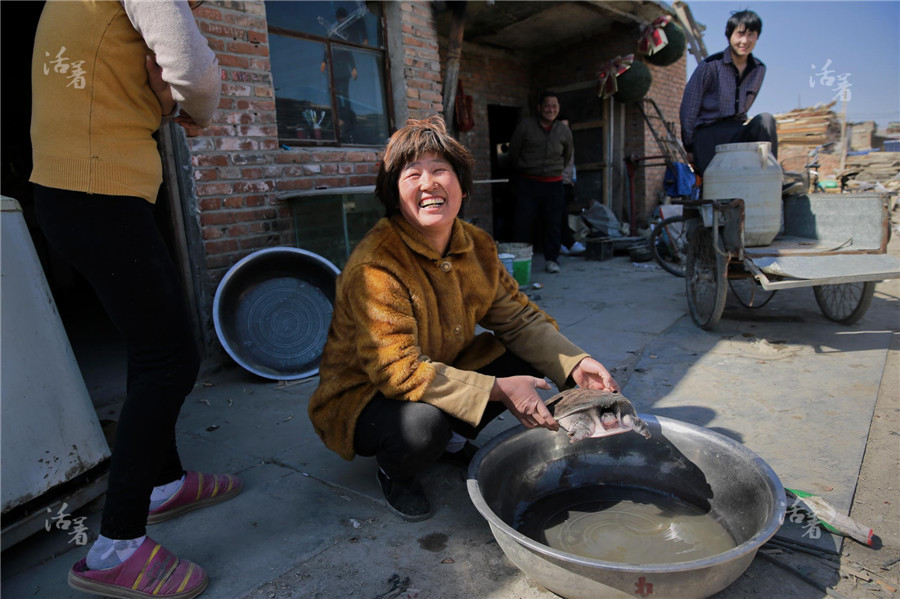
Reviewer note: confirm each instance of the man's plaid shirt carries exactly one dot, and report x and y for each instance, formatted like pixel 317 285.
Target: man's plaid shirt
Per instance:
pixel 716 91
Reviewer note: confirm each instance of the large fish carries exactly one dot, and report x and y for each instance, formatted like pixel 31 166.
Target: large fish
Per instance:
pixel 589 413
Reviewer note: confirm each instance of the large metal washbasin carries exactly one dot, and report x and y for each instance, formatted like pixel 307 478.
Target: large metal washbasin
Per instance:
pixel 699 467
pixel 272 311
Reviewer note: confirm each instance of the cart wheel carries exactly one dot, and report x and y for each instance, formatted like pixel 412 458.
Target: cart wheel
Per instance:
pixel 704 279
pixel 844 303
pixel 668 243
pixel 749 293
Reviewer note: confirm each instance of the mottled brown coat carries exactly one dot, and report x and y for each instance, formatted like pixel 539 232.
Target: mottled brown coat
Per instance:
pixel 405 324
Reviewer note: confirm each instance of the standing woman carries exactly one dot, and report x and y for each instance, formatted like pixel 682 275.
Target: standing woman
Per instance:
pixel 404 377
pixel 104 76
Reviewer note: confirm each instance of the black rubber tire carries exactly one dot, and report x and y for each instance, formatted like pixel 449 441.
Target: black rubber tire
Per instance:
pixel 845 303
pixel 749 293
pixel 704 281
pixel 670 256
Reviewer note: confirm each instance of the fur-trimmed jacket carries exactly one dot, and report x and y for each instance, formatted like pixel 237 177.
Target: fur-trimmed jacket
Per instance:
pixel 404 324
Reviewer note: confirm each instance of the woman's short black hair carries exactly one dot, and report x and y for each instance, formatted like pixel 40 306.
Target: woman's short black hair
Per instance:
pixel 417 138
pixel 747 18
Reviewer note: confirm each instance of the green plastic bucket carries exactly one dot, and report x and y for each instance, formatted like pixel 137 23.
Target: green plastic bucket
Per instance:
pixel 521 261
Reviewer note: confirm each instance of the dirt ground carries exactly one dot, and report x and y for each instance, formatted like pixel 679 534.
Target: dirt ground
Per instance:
pixel 874 572
pixel 860 572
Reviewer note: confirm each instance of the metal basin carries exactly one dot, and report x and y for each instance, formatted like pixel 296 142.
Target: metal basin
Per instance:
pixel 706 470
pixel 272 310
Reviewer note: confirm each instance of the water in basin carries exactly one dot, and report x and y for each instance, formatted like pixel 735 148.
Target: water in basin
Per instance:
pixel 623 524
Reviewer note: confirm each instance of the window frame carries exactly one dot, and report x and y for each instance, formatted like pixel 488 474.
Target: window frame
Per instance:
pixel 332 91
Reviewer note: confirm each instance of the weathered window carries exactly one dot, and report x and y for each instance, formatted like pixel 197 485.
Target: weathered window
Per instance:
pixel 328 69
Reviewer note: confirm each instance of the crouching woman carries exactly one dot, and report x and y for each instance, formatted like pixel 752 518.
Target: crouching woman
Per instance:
pixel 404 376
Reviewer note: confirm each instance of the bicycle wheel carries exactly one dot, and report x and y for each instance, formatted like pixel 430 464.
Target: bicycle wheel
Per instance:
pixel 749 293
pixel 668 243
pixel 844 303
pixel 704 280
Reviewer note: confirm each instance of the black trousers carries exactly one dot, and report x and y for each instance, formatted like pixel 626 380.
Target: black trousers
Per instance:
pixel 706 138
pixel 544 201
pixel 407 436
pixel 114 243
pixel 567 236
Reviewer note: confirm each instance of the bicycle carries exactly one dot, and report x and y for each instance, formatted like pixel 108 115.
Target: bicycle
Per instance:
pixel 668 244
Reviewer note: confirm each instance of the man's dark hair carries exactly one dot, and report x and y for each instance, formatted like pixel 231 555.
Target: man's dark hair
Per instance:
pixel 747 18
pixel 547 94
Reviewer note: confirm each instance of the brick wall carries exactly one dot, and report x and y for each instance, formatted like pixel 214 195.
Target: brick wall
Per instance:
pixel 584 61
pixel 241 173
pixel 242 176
pixel 666 90
pixel 504 78
pixel 421 61
pixel 491 77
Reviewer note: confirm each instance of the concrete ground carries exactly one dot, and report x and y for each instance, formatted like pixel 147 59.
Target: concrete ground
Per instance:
pixel 819 402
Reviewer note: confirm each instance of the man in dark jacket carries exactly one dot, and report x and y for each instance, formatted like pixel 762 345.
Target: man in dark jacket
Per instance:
pixel 720 92
pixel 540 149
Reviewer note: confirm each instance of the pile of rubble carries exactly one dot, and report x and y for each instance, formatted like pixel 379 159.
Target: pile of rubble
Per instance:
pixel 808 127
pixel 875 171
pixel 802 130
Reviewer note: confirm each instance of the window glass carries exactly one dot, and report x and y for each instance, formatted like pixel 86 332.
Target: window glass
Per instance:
pixel 360 100
pixel 328 70
pixel 302 95
pixel 345 20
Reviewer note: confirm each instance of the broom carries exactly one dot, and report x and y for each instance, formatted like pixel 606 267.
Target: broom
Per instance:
pixel 833 520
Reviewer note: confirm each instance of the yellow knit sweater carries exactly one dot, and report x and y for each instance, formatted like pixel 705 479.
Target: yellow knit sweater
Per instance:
pixel 93 111
pixel 404 324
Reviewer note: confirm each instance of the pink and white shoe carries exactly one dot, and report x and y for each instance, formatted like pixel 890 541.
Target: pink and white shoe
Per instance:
pixel 198 491
pixel 152 571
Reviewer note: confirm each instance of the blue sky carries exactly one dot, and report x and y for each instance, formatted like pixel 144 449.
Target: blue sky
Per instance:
pixel 861 39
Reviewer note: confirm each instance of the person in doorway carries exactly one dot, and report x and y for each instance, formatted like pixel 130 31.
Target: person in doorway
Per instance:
pixel 721 91
pixel 100 90
pixel 539 150
pixel 404 377
pixel 568 245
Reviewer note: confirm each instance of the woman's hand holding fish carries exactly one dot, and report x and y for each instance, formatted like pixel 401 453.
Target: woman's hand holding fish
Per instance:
pixel 591 374
pixel 519 396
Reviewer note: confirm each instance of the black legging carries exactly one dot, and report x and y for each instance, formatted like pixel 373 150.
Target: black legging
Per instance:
pixel 114 243
pixel 727 131
pixel 543 201
pixel 406 436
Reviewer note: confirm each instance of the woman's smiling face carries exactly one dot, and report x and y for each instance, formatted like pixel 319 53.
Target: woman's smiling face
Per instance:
pixel 430 197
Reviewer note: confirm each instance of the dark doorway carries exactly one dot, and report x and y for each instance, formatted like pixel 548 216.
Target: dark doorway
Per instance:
pixel 502 122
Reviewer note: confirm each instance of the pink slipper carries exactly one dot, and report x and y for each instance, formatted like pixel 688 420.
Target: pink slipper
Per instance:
pixel 152 571
pixel 199 490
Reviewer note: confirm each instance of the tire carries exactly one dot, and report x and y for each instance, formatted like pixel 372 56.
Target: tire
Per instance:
pixel 704 280
pixel 749 293
pixel 844 303
pixel 669 249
